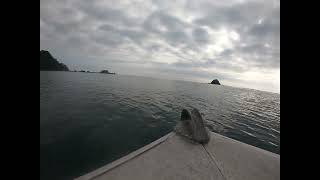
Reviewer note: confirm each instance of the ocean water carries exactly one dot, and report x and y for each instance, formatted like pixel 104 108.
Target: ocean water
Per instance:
pixel 88 120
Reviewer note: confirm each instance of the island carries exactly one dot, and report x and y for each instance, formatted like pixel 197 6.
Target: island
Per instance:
pixel 106 72
pixel 215 81
pixel 49 63
pixel 102 72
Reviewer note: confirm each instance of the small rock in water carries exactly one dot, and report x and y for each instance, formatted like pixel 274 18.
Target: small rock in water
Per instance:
pixel 215 81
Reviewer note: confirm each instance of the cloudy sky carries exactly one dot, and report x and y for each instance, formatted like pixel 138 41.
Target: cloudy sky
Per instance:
pixel 235 41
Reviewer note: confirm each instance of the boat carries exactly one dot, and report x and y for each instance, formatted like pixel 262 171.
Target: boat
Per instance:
pixel 192 152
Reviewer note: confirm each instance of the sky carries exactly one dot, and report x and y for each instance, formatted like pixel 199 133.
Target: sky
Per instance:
pixel 234 41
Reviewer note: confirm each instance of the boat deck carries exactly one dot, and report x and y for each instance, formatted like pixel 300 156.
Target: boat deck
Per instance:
pixel 175 157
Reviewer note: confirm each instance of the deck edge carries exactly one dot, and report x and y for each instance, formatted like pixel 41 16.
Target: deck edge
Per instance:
pixel 124 159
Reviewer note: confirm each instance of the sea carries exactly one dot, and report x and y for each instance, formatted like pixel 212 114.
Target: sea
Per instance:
pixel 90 119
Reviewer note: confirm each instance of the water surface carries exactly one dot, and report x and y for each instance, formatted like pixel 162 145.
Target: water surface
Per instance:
pixel 88 120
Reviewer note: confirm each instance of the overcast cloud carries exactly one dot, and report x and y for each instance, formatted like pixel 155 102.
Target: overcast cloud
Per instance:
pixel 235 41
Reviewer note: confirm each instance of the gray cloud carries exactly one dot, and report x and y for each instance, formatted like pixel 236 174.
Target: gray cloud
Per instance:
pixel 200 35
pixel 199 40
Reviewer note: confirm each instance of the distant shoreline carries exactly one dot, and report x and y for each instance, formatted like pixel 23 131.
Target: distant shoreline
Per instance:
pixel 49 63
pixel 77 71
